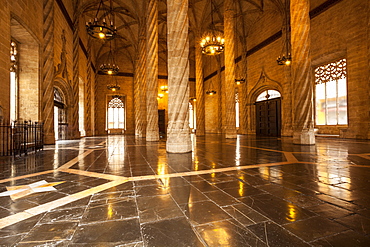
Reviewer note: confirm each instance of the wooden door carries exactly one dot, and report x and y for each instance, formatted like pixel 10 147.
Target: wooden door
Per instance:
pixel 268 117
pixel 162 122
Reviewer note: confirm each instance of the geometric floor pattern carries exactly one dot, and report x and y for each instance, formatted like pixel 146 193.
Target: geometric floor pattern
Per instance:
pixel 122 191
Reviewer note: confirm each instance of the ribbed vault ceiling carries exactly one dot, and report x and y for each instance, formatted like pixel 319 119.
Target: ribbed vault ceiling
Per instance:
pixel 130 16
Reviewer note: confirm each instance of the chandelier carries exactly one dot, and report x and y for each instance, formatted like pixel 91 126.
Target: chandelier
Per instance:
pixel 285 58
pixel 164 88
pixel 110 67
pixel 212 42
pixel 114 87
pixel 102 28
pixel 211 92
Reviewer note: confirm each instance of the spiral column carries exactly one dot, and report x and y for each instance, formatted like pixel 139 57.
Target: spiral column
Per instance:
pixel 152 130
pixel 199 84
pixel 230 125
pixel 178 131
pixel 74 127
pixel 301 73
pixel 48 72
pixel 88 91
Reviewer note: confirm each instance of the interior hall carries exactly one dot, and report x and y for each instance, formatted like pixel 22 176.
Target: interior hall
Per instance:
pixel 185 123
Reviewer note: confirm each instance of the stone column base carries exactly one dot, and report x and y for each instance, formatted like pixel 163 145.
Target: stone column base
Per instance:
pixel 178 143
pixel 304 137
pixel 49 138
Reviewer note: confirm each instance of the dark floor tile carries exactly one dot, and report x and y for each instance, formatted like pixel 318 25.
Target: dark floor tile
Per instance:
pixel 274 235
pixel 276 209
pixel 221 198
pixel 242 191
pixel 340 203
pixel 51 232
pixel 21 227
pixel 187 194
pixel 329 211
pixel 154 208
pixel 205 212
pixel 77 204
pixel 172 232
pixel 244 214
pixel 356 222
pixel 344 239
pixel 225 233
pixel 203 186
pixel 112 195
pixel 314 228
pixel 110 209
pixel 10 240
pixel 120 231
pixel 69 214
pixel 304 201
pixel 151 190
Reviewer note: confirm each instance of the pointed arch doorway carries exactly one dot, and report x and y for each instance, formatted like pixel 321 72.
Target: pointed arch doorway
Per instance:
pixel 60 116
pixel 268 114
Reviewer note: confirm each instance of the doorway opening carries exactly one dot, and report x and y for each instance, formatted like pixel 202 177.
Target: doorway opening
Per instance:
pixel 268 114
pixel 60 119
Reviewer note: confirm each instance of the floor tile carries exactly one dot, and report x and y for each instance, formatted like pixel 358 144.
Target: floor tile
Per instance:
pixel 274 235
pixel 154 208
pixel 314 228
pixel 120 231
pixel 225 233
pixel 171 232
pixel 356 222
pixel 344 239
pixel 205 212
pixel 51 232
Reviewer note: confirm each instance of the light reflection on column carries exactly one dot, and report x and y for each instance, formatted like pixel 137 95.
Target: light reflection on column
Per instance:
pixel 116 154
pixel 237 151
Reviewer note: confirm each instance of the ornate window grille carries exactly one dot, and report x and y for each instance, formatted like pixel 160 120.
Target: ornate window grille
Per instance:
pixel 116 113
pixel 331 93
pixel 331 71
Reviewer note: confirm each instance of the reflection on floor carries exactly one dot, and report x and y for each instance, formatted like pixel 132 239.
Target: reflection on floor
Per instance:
pixel 118 190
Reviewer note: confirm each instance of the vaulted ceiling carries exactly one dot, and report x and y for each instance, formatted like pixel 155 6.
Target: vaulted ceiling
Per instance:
pixel 130 15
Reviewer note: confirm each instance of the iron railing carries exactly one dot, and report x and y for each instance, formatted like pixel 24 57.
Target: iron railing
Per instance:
pixel 21 138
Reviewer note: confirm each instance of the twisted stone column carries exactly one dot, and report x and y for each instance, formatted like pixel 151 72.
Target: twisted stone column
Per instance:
pixel 48 72
pixel 178 132
pixel 140 85
pixel 152 129
pixel 230 128
pixel 301 73
pixel 88 91
pixel 200 109
pixel 74 127
pixel 243 98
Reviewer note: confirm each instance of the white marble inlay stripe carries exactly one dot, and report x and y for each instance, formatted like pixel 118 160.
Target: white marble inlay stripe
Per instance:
pixel 75 160
pixel 15 218
pixel 290 157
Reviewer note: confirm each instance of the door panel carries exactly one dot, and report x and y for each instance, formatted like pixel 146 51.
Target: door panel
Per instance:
pixel 268 115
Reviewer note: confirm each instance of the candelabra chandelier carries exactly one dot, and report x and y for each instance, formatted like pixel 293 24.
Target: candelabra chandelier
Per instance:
pixel 114 86
pixel 212 42
pixel 211 92
pixel 285 58
pixel 110 67
pixel 164 88
pixel 102 28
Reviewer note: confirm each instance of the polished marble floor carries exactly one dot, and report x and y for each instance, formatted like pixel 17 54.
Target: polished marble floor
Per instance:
pixel 122 191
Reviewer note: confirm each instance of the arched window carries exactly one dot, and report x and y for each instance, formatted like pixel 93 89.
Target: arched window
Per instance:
pixel 237 120
pixel 331 93
pixel 116 113
pixel 192 119
pixel 268 94
pixel 13 80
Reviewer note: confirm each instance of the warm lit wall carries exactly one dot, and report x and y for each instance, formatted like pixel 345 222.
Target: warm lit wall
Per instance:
pixel 126 84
